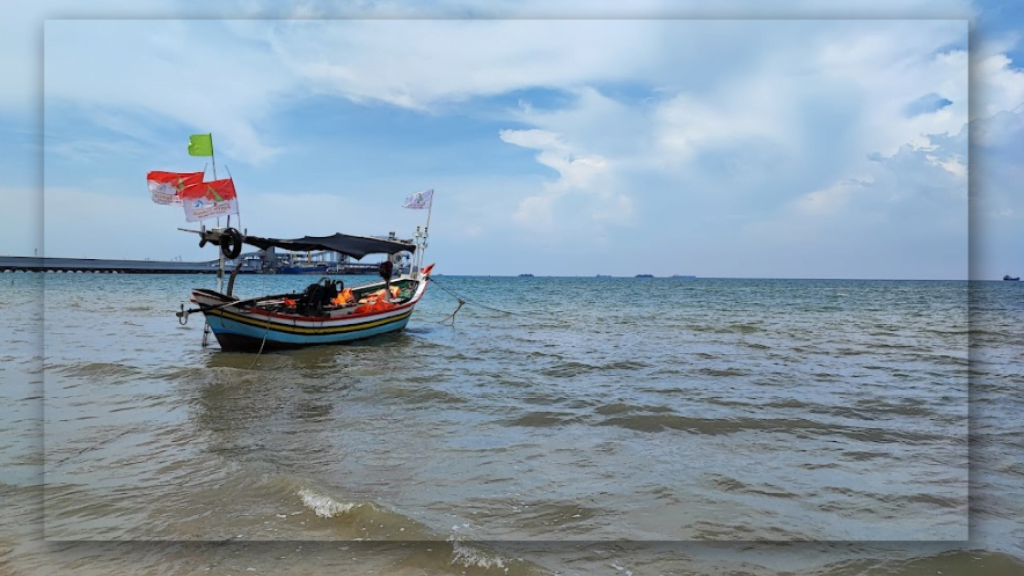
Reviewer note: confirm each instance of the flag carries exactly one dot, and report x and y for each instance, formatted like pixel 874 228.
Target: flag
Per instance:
pixel 166 186
pixel 419 199
pixel 209 200
pixel 200 145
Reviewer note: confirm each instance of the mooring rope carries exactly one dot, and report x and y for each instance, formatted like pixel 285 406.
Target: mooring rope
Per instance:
pixel 265 332
pixel 452 316
pixel 266 329
pixel 463 300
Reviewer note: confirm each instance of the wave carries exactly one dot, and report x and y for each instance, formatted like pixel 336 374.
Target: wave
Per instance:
pixel 796 426
pixel 376 523
pixel 542 419
pixel 96 370
pixel 569 369
pixel 623 408
pixel 324 506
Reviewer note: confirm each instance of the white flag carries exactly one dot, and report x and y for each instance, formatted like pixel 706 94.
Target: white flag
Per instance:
pixel 419 199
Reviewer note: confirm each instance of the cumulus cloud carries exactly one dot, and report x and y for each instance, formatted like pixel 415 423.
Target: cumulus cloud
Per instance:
pixel 794 128
pixel 576 173
pixel 998 85
pixel 192 73
pixel 756 117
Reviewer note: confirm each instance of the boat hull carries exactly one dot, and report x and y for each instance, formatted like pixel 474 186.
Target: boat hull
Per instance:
pixel 234 335
pixel 244 326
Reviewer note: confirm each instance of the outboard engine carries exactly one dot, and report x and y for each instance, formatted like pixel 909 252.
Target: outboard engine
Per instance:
pixel 385 270
pixel 317 296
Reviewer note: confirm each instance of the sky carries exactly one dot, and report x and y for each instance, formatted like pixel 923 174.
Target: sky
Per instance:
pixel 792 139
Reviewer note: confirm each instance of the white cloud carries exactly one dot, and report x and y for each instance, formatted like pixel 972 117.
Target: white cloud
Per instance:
pixel 192 73
pixel 684 124
pixel 915 193
pixel 999 130
pixel 401 62
pixel 998 85
pixel 747 115
pixel 752 135
pixel 613 208
pixel 574 171
pixel 828 200
pixel 582 174
pixel 536 213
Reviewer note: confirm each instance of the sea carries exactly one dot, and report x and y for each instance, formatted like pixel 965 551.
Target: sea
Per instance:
pixel 519 426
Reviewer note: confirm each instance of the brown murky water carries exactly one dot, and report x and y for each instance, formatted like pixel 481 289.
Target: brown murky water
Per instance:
pixel 708 413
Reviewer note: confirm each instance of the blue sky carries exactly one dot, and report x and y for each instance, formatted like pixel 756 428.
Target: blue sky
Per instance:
pixel 797 140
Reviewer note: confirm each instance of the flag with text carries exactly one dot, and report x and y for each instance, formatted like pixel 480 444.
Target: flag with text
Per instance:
pixel 165 187
pixel 209 200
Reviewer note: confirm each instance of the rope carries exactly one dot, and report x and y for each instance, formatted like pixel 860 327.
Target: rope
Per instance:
pixel 265 331
pixel 463 300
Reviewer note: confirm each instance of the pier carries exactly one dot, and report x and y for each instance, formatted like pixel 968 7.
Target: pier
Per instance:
pixel 252 263
pixel 101 266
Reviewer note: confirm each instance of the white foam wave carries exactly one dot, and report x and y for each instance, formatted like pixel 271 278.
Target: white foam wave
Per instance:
pixel 469 556
pixel 324 506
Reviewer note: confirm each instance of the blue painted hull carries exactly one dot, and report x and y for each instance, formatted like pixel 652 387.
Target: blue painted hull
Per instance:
pixel 233 335
pixel 267 323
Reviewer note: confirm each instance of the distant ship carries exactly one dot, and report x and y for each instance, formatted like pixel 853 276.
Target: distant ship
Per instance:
pixel 645 275
pixel 526 275
pixel 1009 278
pixel 604 275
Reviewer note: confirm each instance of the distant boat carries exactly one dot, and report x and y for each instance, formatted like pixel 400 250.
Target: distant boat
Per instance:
pixel 645 275
pixel 604 275
pixel 526 275
pixel 1009 278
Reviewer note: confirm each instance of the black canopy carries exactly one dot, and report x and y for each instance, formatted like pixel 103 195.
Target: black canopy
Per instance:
pixel 354 246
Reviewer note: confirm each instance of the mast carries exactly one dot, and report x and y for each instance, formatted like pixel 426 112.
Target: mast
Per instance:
pixel 220 252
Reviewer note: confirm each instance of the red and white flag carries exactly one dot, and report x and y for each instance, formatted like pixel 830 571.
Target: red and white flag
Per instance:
pixel 166 186
pixel 419 199
pixel 209 200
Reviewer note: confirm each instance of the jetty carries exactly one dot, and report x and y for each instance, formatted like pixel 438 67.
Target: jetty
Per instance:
pixel 103 266
pixel 322 263
pixel 251 263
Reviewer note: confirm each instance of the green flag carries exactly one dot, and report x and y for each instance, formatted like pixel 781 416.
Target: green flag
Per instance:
pixel 200 145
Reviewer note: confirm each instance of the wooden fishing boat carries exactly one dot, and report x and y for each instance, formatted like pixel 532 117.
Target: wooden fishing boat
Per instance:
pixel 326 312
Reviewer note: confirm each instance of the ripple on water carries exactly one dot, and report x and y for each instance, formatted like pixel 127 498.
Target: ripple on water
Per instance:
pixel 720 377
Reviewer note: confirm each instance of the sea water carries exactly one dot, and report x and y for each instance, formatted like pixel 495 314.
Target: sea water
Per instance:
pixel 549 426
